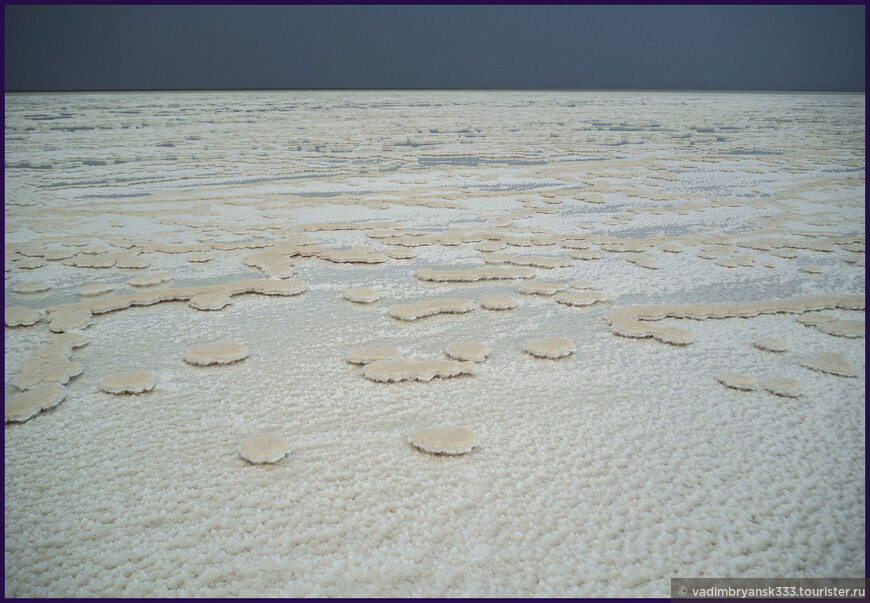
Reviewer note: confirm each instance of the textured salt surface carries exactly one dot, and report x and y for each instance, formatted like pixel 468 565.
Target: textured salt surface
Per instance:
pixel 599 475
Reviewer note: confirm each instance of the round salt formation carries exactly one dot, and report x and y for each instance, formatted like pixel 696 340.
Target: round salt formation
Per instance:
pixel 31 287
pixel 213 300
pixel 30 403
pixel 19 316
pixel 128 382
pixel 810 270
pixel 581 298
pixel 584 254
pixel 550 347
pixel 369 355
pixel 393 370
pixel 361 295
pixel 770 344
pixel 540 288
pixel 582 285
pixel 497 302
pixel 222 352
pixel 471 351
pixel 829 362
pixel 736 381
pixel 264 448
pixel 843 328
pixel 452 305
pixel 401 254
pixel 790 388
pixel 31 263
pixel 97 289
pixel 149 280
pixel 816 319
pixel 446 440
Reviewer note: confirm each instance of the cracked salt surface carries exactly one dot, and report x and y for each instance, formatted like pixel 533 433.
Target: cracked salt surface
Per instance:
pixel 601 473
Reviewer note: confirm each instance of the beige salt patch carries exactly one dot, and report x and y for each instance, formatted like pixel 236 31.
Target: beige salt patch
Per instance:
pixel 267 287
pixel 788 254
pixel 712 252
pixel 263 448
pixel 816 319
pixel 490 246
pixel 810 269
pixel 623 246
pixel 642 260
pixel 131 262
pixel 69 317
pixel 431 307
pixel 361 295
pixel 54 255
pixel 445 440
pixel 580 298
pixel 26 405
pixel 31 287
pixel 383 234
pixel 474 274
pixel 271 264
pixel 369 355
pixel 97 289
pixel 356 255
pixel 19 316
pixel 222 352
pixel 737 381
pixel 49 364
pixel 535 261
pixel 582 285
pixel 672 248
pixel 843 328
pixel 128 382
pixel 388 371
pixel 770 344
pixel 727 262
pixel 199 258
pixel 575 244
pixel 550 347
pixel 790 388
pixel 151 279
pixel 584 254
pixel 31 263
pixel 539 288
pixel 497 302
pixel 830 362
pixel 213 300
pixel 91 261
pixel 631 321
pixel 469 351
pixel 401 254
pixel 596 198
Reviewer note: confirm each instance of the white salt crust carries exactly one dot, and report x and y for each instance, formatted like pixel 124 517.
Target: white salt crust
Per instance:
pixel 148 496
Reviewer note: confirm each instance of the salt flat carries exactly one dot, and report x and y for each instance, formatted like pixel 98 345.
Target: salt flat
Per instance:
pixel 675 230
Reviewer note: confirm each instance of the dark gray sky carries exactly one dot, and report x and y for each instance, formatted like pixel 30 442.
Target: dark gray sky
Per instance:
pixel 312 47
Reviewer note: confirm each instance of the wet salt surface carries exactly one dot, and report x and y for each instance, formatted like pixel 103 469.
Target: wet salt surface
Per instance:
pixel 602 473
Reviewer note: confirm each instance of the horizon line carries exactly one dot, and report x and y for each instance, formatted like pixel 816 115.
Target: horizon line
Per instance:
pixel 506 89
